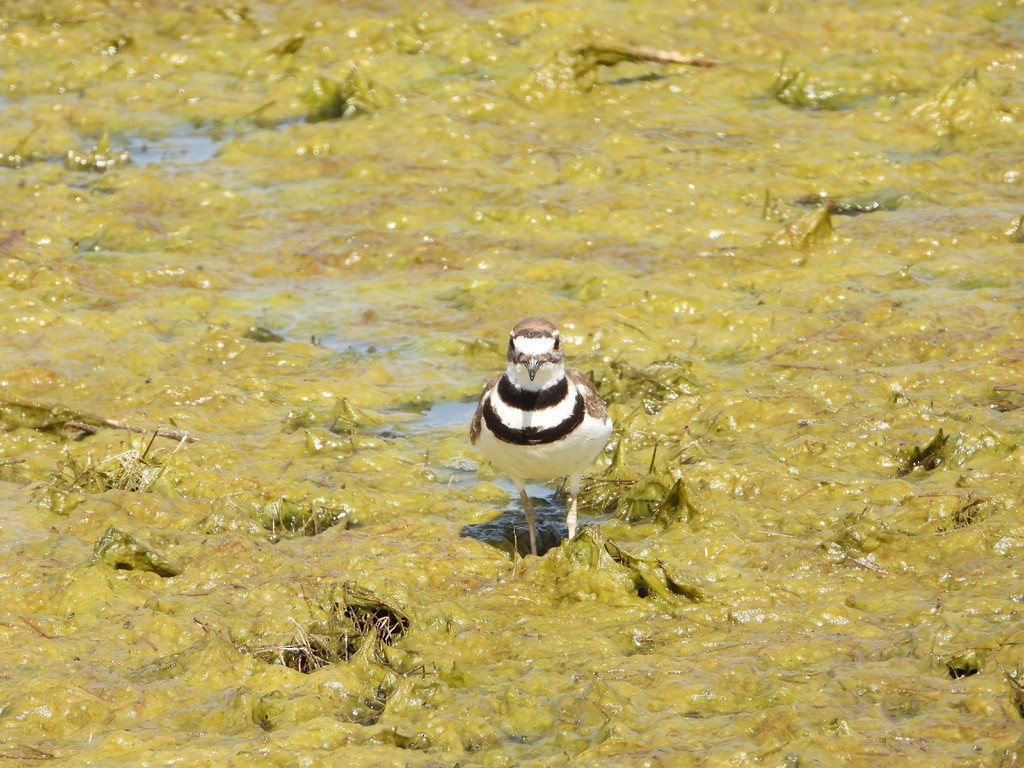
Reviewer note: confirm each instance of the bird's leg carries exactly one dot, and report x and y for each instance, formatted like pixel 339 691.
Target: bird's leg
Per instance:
pixel 574 491
pixel 531 517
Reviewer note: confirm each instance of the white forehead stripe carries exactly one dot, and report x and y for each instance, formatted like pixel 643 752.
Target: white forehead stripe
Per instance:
pixel 534 346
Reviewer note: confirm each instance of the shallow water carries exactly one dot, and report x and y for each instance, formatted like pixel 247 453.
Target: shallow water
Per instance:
pixel 809 532
pixel 186 148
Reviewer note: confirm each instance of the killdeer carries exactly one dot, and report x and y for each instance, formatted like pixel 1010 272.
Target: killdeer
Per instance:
pixel 540 420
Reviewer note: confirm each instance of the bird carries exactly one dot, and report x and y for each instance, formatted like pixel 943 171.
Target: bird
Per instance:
pixel 540 420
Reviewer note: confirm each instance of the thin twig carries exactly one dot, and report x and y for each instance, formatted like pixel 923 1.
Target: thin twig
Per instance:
pixel 60 415
pixel 172 434
pixel 666 57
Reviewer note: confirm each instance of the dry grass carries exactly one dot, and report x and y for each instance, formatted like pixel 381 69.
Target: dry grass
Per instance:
pixel 130 470
pixel 347 622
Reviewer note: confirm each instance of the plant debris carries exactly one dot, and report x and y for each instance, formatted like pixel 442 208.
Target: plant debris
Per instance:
pixel 348 621
pixel 964 108
pixel 99 159
pixel 357 94
pixel 656 496
pixel 262 335
pixel 590 550
pixel 803 232
pixel 575 69
pixel 289 47
pixel 16 157
pixel 342 418
pixel 604 493
pixel 968 512
pixel 842 205
pixel 122 551
pixel 654 385
pixel 651 499
pixel 928 456
pixel 963 664
pixel 1015 230
pixel 132 470
pixel 16 413
pixel 1016 681
pixel 796 88
pixel 288 518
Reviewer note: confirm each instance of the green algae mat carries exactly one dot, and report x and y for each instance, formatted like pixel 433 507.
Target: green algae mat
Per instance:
pixel 257 260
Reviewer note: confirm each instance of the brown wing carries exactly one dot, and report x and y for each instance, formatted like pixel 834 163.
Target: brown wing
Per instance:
pixel 474 425
pixel 595 405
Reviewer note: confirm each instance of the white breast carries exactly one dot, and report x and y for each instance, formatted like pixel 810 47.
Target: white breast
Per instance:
pixel 572 454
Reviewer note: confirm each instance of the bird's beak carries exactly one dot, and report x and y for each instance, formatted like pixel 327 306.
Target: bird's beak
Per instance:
pixel 532 364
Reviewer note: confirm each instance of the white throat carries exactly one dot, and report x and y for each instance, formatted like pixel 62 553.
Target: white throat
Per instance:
pixel 547 375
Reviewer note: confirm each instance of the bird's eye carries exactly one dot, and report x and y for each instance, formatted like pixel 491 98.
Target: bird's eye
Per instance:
pixel 558 342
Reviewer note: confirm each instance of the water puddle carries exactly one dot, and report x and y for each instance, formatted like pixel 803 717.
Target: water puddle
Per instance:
pixel 507 531
pixel 178 148
pixel 445 415
pixel 308 313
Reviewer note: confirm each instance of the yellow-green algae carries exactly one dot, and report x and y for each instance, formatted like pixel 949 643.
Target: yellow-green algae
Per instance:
pixel 800 571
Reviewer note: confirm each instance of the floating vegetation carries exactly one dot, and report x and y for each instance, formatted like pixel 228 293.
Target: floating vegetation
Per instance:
pixel 796 87
pixel 1016 681
pixel 653 385
pixel 843 205
pixel 357 94
pixel 115 45
pixel 801 88
pixel 289 47
pixel 655 497
pixel 675 506
pixel 1002 399
pixel 770 208
pixel 862 535
pixel 967 512
pixel 99 159
pixel 591 551
pixel 575 69
pixel 652 578
pixel 9 469
pixel 123 551
pixel 130 470
pixel 16 157
pixel 342 418
pixel 1015 231
pixel 963 664
pixel 805 231
pixel 278 708
pixel 347 621
pixel 319 440
pixel 964 107
pixel 602 494
pixel 928 456
pixel 262 335
pixel 287 518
